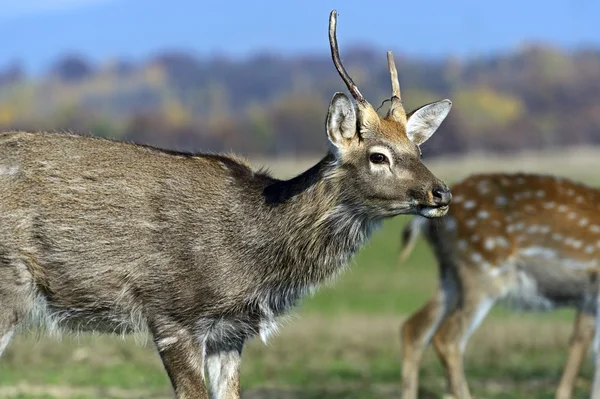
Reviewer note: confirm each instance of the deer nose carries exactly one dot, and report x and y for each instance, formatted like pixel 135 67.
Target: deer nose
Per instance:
pixel 441 196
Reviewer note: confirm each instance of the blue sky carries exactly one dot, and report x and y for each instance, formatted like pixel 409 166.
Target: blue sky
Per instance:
pixel 36 32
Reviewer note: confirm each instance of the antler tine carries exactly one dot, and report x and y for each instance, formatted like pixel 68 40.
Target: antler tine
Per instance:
pixel 396 109
pixel 393 75
pixel 335 54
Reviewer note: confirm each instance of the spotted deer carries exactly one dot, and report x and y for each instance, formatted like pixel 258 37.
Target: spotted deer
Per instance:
pixel 530 240
pixel 201 251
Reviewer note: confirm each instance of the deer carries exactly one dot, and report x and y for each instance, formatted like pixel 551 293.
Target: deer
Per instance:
pixel 531 241
pixel 198 250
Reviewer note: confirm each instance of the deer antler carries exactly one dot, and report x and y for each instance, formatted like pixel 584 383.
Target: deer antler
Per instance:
pixel 335 54
pixel 396 111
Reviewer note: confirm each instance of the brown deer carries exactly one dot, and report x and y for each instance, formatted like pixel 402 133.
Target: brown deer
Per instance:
pixel 199 250
pixel 531 240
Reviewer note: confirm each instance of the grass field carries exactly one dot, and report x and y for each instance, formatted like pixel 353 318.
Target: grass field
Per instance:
pixel 342 343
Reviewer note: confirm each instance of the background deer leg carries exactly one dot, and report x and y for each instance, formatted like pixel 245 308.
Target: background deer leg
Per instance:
pixel 223 364
pixel 596 381
pixel 182 356
pixel 583 333
pixel 451 339
pixel 416 334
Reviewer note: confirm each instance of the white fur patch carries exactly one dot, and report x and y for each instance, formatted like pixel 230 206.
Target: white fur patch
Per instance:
pixel 222 369
pixel 8 170
pixel 483 308
pixel 5 339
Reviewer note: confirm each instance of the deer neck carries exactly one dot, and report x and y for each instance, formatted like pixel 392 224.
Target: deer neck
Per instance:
pixel 315 225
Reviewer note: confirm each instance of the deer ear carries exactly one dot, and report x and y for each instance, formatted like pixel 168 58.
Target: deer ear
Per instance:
pixel 424 121
pixel 341 120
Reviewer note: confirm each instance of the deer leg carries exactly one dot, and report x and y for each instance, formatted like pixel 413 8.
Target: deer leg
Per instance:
pixel 223 361
pixel 596 381
pixel 583 333
pixel 182 356
pixel 451 339
pixel 416 334
pixel 15 299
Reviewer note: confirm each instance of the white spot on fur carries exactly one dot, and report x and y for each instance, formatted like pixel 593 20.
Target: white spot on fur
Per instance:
pixel 519 226
pixel 589 249
pixel 595 228
pixel 462 245
pixel 579 200
pixel 458 199
pixel 476 257
pixel 557 236
pixel 489 244
pixel 501 200
pixel 562 208
pixel 545 229
pixel 571 215
pixel 483 187
pixel 573 243
pixel 471 223
pixel 570 192
pixel 549 205
pixel 529 208
pixel 470 204
pixel 583 222
pixel 475 238
pixel 482 214
pixel 540 194
pixel 501 242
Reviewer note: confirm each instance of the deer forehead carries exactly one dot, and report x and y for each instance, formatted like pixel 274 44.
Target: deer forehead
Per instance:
pixel 386 129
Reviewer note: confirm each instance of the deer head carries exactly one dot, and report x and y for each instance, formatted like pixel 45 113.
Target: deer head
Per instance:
pixel 383 154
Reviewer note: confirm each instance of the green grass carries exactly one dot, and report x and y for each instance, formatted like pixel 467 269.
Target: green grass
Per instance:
pixel 341 343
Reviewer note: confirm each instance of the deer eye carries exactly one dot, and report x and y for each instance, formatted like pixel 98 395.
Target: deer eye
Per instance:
pixel 378 158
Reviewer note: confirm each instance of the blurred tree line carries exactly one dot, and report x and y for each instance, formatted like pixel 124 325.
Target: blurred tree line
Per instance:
pixel 535 97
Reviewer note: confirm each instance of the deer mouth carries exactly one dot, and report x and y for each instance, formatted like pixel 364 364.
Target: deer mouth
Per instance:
pixel 433 211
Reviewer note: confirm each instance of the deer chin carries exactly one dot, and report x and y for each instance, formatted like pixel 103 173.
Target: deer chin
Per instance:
pixel 432 212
